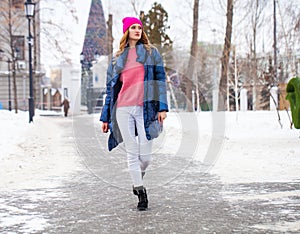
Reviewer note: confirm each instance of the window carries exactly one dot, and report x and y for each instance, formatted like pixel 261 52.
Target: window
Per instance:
pixel 19 45
pixel 66 92
pixel 18 4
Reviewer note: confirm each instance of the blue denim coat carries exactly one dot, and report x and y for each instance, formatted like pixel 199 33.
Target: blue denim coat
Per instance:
pixel 155 98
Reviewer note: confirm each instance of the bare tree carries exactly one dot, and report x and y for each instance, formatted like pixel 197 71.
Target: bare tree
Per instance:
pixel 54 33
pixel 225 58
pixel 136 5
pixel 190 78
pixel 45 34
pixel 257 7
pixel 289 22
pixel 11 18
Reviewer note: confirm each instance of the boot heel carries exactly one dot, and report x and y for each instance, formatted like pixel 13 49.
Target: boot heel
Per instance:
pixel 143 200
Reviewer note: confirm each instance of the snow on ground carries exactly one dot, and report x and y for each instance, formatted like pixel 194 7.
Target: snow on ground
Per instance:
pixel 33 155
pixel 252 148
pixel 242 147
pixel 255 147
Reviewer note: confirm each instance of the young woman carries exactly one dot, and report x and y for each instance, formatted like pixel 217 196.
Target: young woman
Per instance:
pixel 136 103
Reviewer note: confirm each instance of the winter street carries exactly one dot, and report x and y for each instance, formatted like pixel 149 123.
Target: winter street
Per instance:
pixel 58 177
pixel 199 103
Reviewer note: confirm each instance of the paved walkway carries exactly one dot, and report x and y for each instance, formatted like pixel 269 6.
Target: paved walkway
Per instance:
pixel 183 198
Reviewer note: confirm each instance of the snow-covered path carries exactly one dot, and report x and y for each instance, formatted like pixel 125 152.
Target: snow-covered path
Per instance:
pixel 57 176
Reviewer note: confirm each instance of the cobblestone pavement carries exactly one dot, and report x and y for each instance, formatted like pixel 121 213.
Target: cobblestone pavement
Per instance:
pixel 183 198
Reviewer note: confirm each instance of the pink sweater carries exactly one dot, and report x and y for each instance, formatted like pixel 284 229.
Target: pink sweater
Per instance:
pixel 132 77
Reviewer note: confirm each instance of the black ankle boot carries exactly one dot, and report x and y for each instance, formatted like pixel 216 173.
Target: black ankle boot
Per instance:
pixel 143 200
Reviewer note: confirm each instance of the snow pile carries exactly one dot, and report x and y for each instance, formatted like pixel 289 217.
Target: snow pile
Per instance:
pixel 242 147
pixel 257 149
pixel 13 130
pixel 34 155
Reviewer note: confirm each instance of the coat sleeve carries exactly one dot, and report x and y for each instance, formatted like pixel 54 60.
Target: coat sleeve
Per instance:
pixel 161 81
pixel 105 114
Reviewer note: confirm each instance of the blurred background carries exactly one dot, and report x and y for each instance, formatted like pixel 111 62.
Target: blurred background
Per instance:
pixel 220 55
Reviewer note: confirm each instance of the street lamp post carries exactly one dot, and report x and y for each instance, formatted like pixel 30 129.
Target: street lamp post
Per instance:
pixel 29 11
pixel 8 76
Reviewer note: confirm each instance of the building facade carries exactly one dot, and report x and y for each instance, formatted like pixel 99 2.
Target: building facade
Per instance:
pixel 14 65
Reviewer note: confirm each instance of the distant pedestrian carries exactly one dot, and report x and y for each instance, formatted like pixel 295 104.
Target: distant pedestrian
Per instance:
pixel 66 105
pixel 136 102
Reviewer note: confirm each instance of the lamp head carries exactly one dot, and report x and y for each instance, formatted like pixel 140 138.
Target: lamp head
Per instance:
pixel 29 9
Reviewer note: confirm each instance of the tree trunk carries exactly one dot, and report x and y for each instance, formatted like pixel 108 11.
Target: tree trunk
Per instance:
pixel 225 58
pixel 109 37
pixel 10 30
pixel 193 58
pixel 275 81
pixel 15 86
pixel 253 55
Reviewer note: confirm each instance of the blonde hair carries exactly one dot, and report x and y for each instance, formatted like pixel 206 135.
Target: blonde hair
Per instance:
pixel 124 40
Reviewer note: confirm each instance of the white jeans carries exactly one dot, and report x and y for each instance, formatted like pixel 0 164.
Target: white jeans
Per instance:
pixel 138 148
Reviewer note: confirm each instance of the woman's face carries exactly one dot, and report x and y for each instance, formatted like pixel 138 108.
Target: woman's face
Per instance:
pixel 135 32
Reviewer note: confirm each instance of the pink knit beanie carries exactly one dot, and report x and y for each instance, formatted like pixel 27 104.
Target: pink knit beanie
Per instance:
pixel 128 21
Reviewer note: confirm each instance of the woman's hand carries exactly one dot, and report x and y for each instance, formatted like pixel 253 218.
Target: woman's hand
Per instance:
pixel 105 127
pixel 161 116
